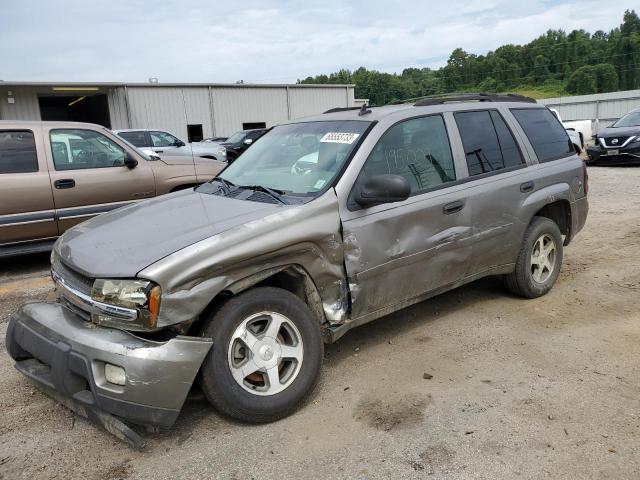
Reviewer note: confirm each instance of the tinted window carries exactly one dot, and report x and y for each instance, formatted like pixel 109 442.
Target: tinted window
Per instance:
pixel 137 139
pixel 488 143
pixel 17 152
pixel 418 149
pixel 76 149
pixel 546 134
pixel 163 139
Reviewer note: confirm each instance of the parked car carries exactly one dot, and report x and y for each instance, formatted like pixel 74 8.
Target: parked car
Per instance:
pixel 577 137
pixel 164 143
pixel 326 223
pixel 618 144
pixel 214 140
pixel 240 141
pixel 54 175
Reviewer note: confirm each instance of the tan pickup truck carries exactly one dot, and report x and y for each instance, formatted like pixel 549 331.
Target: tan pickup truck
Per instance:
pixel 54 175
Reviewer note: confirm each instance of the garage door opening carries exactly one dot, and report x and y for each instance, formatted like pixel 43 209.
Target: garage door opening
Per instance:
pixel 75 108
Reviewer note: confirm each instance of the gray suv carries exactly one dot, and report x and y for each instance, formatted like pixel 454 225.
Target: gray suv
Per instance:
pixel 324 224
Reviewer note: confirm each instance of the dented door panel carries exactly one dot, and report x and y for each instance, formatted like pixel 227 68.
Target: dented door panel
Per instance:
pixel 396 252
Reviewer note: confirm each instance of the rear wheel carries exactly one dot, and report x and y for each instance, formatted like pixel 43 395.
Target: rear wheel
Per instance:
pixel 266 356
pixel 539 261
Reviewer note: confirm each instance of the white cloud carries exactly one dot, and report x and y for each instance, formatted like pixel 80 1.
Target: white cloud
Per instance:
pixel 265 41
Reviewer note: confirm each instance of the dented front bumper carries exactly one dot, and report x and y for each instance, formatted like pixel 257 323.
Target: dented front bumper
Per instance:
pixel 66 355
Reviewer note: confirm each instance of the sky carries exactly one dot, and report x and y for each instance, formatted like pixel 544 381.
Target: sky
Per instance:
pixel 266 41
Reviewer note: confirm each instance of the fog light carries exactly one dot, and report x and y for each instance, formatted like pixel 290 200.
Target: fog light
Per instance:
pixel 114 374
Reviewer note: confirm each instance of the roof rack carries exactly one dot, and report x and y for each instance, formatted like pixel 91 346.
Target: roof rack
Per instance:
pixel 473 97
pixel 341 109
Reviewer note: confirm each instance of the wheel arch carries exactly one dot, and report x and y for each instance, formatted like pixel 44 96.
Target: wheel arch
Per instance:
pixel 292 278
pixel 558 211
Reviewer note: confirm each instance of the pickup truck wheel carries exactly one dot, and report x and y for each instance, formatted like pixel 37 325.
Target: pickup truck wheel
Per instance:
pixel 266 355
pixel 539 261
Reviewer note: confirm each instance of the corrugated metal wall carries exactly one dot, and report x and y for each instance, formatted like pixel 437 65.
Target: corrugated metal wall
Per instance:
pixel 602 109
pixel 220 109
pixel 234 106
pixel 305 101
pixel 118 108
pixel 25 106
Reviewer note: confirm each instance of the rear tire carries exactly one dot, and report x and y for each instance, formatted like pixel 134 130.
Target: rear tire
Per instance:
pixel 539 261
pixel 266 356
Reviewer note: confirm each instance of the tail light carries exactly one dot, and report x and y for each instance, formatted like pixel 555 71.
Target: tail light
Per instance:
pixel 586 177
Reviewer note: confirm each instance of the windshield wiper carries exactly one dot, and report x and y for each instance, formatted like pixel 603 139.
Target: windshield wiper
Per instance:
pixel 226 184
pixel 276 194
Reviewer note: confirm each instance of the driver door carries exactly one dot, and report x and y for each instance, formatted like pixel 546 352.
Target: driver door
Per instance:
pixel 164 143
pixel 88 175
pixel 397 252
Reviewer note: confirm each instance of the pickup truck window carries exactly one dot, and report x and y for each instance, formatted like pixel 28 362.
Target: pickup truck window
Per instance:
pixel 137 139
pixel 17 152
pixel 163 139
pixel 488 143
pixel 548 137
pixel 417 149
pixel 76 149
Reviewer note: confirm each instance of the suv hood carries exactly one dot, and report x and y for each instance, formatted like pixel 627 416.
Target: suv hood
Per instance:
pixel 120 243
pixel 619 132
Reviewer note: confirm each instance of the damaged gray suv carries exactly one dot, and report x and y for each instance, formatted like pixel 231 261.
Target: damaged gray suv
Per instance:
pixel 326 223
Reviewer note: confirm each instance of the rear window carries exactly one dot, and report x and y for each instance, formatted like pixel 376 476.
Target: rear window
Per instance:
pixel 137 139
pixel 546 134
pixel 488 143
pixel 17 152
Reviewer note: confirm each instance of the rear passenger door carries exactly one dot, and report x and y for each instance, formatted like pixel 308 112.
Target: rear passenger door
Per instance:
pixel 26 200
pixel 89 176
pixel 498 183
pixel 396 252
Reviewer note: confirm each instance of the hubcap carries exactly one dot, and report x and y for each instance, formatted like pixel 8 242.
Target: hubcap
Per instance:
pixel 543 258
pixel 265 353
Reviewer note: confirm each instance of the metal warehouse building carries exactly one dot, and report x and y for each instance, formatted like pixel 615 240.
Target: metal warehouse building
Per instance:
pixel 190 111
pixel 601 108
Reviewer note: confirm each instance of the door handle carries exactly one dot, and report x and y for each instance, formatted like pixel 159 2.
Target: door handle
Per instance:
pixel 453 207
pixel 527 187
pixel 64 183
pixel 159 151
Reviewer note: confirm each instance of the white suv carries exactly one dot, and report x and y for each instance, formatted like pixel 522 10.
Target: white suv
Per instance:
pixel 163 143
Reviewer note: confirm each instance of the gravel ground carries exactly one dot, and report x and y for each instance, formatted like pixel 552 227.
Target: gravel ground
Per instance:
pixel 519 389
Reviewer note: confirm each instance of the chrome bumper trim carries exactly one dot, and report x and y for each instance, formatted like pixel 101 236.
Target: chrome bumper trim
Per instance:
pixel 86 303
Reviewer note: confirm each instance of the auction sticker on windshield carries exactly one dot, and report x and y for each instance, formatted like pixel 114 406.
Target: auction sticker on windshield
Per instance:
pixel 339 137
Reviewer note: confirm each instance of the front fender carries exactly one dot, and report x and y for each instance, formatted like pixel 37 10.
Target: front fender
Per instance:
pixel 307 236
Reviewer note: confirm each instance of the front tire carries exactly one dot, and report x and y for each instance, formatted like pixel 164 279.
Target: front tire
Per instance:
pixel 539 261
pixel 266 356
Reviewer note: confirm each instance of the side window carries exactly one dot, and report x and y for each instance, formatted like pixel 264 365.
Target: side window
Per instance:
pixel 548 137
pixel 418 149
pixel 163 139
pixel 137 139
pixel 17 152
pixel 488 143
pixel 76 149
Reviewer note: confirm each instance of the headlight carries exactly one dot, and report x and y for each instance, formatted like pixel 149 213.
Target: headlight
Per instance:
pixel 140 295
pixel 222 151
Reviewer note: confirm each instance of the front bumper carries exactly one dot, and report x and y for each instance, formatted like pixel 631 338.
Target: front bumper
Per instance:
pixel 629 155
pixel 67 355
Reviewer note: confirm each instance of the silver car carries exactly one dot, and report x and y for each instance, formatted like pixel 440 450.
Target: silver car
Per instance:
pixel 165 143
pixel 324 224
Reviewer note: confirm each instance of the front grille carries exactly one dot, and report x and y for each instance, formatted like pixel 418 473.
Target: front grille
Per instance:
pixel 614 142
pixel 72 278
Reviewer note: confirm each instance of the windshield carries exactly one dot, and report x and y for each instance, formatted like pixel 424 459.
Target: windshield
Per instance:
pixel 297 159
pixel 236 137
pixel 629 120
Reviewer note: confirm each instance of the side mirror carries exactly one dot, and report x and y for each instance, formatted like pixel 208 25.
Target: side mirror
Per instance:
pixel 381 189
pixel 130 161
pixel 247 142
pixel 179 143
